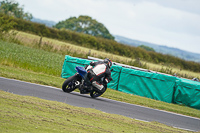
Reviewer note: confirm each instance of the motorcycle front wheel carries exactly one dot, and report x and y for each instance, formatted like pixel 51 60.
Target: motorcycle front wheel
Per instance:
pixel 69 84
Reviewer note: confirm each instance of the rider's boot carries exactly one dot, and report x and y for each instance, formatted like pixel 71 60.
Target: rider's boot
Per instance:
pixel 98 87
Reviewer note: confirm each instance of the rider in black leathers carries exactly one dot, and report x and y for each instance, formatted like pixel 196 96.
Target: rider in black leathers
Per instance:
pixel 101 70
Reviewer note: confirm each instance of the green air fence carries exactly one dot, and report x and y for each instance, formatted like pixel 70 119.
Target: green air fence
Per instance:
pixel 115 74
pixel 147 84
pixel 187 92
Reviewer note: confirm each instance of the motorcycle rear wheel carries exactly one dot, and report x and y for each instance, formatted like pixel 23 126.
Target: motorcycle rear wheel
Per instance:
pixel 95 93
pixel 69 84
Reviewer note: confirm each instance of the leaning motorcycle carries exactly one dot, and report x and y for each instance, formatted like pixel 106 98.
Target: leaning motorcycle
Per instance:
pixel 80 81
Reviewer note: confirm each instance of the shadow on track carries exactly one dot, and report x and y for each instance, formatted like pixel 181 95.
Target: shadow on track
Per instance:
pixel 88 96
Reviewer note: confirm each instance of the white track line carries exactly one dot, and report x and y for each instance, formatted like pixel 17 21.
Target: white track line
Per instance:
pixel 185 129
pixel 141 120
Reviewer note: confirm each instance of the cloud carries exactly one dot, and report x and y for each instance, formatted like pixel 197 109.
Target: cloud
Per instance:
pixel 191 6
pixel 163 25
pixel 169 19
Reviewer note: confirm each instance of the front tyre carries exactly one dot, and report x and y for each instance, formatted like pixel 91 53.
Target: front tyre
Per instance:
pixel 69 84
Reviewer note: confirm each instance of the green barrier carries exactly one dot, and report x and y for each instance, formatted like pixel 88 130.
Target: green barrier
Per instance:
pixel 147 84
pixel 187 92
pixel 115 74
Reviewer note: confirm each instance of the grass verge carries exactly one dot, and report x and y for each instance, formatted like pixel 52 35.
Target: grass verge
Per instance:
pixel 20 114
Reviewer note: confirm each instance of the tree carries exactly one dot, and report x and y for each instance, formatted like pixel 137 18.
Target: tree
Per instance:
pixel 12 8
pixel 6 25
pixel 85 24
pixel 146 48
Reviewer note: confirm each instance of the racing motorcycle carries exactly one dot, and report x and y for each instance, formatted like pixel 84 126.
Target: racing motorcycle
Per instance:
pixel 81 81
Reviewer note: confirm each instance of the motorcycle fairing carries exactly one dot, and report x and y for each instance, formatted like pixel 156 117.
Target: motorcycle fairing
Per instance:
pixel 81 71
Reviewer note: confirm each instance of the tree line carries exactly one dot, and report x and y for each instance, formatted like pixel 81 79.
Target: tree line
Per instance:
pixel 102 44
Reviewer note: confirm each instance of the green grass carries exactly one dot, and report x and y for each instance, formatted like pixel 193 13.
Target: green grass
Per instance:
pixel 28 58
pixel 23 114
pixel 30 76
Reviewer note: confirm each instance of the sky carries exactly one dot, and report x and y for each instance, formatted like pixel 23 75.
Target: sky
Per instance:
pixel 172 23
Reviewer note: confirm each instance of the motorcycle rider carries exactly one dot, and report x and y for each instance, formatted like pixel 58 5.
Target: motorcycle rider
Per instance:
pixel 101 70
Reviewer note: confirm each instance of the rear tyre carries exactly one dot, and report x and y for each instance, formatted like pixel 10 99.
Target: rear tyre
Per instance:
pixel 95 93
pixel 69 84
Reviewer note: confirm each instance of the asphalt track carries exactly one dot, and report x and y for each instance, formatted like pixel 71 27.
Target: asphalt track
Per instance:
pixel 103 104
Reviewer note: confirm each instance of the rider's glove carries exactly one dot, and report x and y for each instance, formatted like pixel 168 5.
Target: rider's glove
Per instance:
pixel 92 63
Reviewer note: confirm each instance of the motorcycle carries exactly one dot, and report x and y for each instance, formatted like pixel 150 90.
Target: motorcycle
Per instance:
pixel 81 81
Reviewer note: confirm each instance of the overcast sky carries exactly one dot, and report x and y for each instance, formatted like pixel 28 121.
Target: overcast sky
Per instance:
pixel 173 23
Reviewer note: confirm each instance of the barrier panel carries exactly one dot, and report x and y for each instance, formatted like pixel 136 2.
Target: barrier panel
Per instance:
pixel 115 74
pixel 187 92
pixel 147 84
